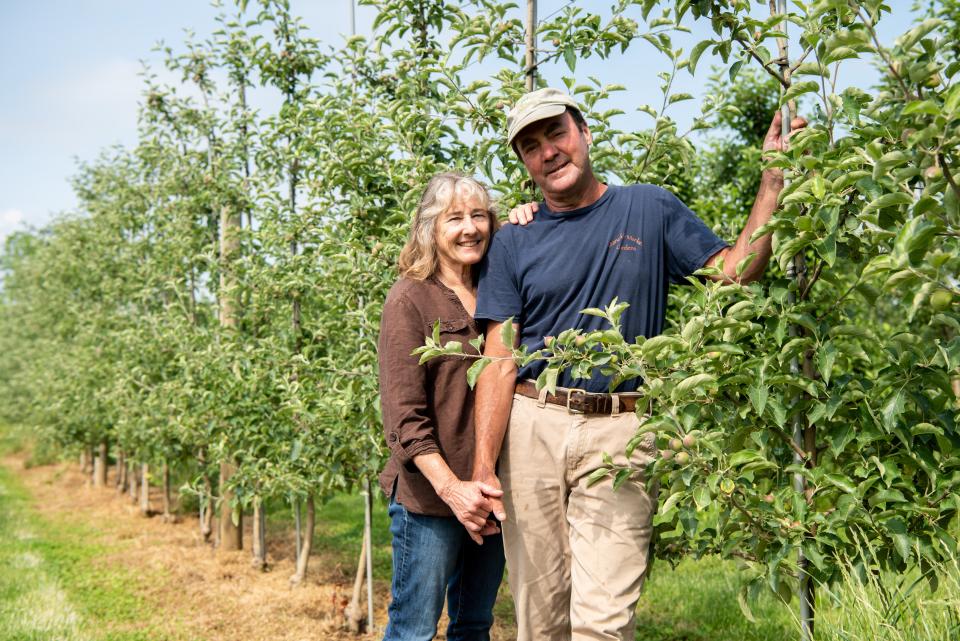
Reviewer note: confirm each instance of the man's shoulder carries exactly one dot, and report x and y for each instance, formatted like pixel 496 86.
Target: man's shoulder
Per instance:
pixel 652 199
pixel 646 190
pixel 508 235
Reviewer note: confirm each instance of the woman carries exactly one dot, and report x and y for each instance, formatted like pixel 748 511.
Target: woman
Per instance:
pixel 442 540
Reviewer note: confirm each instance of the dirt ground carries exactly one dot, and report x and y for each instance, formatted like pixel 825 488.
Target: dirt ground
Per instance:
pixel 210 595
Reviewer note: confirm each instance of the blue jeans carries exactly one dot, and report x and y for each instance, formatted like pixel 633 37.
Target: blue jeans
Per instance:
pixel 433 555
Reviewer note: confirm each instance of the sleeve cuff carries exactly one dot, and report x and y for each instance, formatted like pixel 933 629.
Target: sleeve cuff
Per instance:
pixel 703 258
pixel 416 448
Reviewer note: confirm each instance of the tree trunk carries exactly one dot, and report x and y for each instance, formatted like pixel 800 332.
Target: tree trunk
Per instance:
pixel 87 464
pixel 304 555
pixel 121 472
pixel 145 489
pixel 297 527
pixel 206 499
pixel 259 535
pixel 167 516
pixel 132 481
pixel 231 532
pixel 231 521
pixel 206 509
pixel 356 619
pixel 83 460
pixel 100 465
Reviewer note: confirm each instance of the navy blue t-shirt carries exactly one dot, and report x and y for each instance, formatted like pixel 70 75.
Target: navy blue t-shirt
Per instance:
pixel 630 244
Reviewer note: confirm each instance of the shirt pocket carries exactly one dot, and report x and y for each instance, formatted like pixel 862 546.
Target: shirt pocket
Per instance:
pixel 457 330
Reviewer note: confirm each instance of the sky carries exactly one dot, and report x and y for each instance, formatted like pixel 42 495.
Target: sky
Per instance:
pixel 71 85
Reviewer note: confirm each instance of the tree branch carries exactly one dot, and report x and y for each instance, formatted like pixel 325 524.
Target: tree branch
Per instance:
pixel 883 54
pixel 947 174
pixel 766 65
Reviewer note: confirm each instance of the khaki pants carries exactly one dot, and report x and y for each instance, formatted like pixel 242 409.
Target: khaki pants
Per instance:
pixel 576 555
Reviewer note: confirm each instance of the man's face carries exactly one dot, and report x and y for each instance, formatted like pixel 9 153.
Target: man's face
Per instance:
pixel 556 153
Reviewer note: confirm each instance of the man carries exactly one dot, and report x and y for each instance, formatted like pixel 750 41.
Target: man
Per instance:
pixel 577 553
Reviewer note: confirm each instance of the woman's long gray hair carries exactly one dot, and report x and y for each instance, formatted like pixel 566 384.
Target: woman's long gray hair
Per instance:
pixel 418 258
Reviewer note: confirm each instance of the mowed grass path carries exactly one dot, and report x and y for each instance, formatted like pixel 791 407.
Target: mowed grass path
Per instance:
pixel 696 601
pixel 53 586
pixel 56 584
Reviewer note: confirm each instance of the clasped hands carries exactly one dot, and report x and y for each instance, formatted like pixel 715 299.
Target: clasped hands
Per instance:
pixel 472 502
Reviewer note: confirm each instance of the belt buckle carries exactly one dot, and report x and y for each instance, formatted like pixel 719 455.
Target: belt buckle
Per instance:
pixel 581 402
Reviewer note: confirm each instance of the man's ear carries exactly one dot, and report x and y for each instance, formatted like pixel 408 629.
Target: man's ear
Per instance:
pixel 587 134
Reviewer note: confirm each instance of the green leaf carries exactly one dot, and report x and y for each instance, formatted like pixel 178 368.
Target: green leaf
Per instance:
pixel 851 108
pixel 734 70
pixel 952 100
pixel 474 372
pixel 811 552
pixel 548 379
pixel 671 502
pixel 893 408
pixel 897 530
pixel 696 52
pixel 701 496
pixel 826 356
pixel 888 200
pixel 927 107
pixel 570 57
pixel 477 343
pixel 745 605
pixel 652 347
pixel 623 474
pixel 758 396
pixel 850 330
pixel 912 37
pixel 507 333
pixel 694 382
pixel 453 347
pixel 778 410
pixel 798 89
pixel 841 482
pixel 745 263
pixel 597 475
pixel 745 456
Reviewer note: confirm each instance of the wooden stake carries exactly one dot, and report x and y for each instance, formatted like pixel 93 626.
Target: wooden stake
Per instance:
pixel 531 45
pixel 368 543
pixel 796 270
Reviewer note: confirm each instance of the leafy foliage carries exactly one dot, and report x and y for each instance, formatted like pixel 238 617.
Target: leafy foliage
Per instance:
pixel 110 316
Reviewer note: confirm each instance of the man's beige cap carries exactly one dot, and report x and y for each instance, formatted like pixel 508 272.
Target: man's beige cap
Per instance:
pixel 537 105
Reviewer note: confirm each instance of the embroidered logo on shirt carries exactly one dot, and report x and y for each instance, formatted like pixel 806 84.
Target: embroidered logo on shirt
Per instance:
pixel 625 243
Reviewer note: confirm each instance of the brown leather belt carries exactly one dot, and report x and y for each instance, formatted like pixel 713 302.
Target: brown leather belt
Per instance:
pixel 579 401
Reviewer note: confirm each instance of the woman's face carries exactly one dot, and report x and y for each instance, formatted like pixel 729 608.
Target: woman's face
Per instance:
pixel 463 233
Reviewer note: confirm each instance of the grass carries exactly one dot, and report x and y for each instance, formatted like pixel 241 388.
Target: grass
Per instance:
pixel 54 585
pixel 888 607
pixel 697 601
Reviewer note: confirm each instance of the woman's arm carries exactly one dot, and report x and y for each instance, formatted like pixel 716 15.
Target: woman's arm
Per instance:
pixel 467 499
pixel 407 422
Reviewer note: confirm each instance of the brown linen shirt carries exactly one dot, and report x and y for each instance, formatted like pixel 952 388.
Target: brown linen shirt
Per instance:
pixel 426 408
